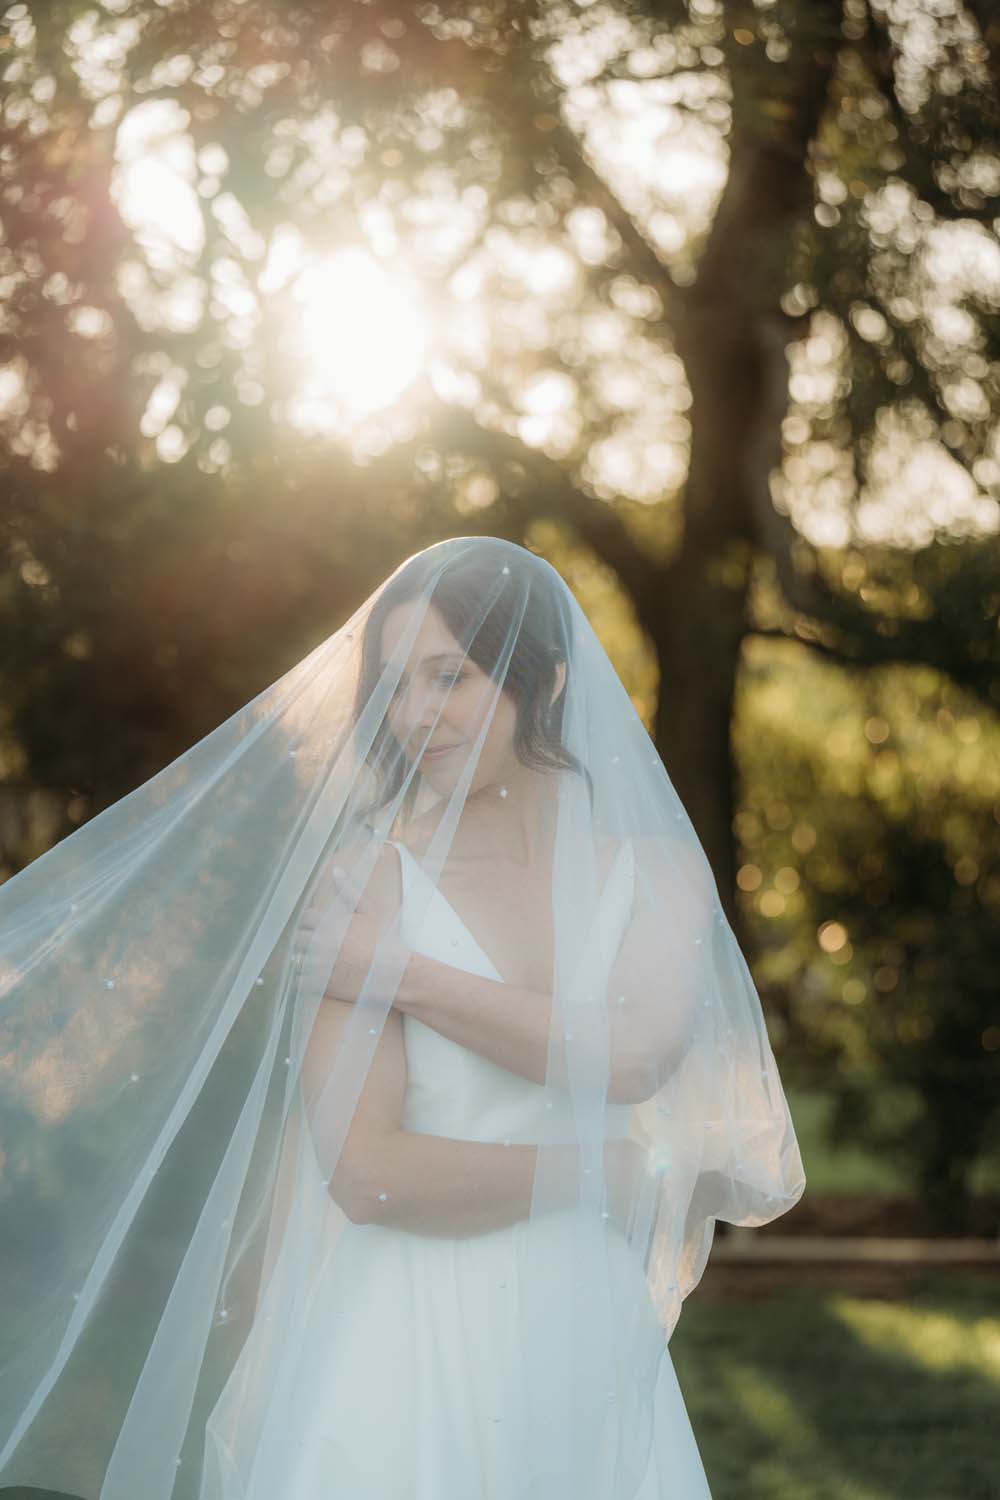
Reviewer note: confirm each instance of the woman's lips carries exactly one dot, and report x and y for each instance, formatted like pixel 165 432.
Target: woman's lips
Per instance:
pixel 439 750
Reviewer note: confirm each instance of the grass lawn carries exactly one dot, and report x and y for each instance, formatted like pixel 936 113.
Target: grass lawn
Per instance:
pixel 826 1394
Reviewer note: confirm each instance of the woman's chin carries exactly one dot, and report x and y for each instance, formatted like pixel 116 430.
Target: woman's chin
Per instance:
pixel 436 781
pixel 444 779
pixel 440 779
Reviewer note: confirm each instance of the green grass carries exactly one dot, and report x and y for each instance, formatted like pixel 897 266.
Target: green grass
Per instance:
pixel 816 1395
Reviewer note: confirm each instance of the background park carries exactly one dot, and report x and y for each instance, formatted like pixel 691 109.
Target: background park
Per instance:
pixel 700 301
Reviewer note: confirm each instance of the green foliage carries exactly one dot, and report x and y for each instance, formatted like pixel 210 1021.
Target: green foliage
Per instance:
pixel 870 881
pixel 775 410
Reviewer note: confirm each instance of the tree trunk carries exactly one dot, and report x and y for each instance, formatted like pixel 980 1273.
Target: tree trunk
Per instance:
pixel 731 337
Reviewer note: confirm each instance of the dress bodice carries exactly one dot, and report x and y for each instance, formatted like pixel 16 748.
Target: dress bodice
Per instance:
pixel 452 1091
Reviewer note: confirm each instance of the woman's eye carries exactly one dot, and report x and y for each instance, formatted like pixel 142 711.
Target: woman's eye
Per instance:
pixel 449 679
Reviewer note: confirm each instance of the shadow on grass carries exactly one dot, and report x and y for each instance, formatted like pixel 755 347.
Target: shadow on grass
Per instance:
pixel 826 1395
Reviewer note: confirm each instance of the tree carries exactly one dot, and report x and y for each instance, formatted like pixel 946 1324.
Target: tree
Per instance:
pixel 831 310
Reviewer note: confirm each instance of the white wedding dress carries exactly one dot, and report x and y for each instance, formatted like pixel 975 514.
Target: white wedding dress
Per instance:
pixel 397 1376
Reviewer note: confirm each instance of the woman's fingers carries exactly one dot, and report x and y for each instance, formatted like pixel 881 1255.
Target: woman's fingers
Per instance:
pixel 339 954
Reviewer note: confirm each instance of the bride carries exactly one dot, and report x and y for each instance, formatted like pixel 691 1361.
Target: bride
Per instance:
pixel 432 1061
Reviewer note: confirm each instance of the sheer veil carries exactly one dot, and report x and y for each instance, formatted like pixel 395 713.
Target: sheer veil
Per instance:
pixel 202 993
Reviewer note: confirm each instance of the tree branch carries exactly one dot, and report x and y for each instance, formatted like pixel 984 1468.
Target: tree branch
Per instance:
pixel 554 494
pixel 570 150
pixel 645 257
pixel 987 18
pixel 864 639
pixel 917 164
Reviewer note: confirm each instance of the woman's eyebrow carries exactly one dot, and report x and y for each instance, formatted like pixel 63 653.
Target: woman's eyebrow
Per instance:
pixel 431 660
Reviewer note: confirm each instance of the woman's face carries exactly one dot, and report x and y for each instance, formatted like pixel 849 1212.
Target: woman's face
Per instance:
pixel 441 702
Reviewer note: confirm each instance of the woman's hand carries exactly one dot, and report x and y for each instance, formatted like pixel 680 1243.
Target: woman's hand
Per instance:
pixel 320 927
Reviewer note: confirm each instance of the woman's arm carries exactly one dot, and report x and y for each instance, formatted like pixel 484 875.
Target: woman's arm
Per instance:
pixel 651 993
pixel 649 1015
pixel 510 1026
pixel 430 1184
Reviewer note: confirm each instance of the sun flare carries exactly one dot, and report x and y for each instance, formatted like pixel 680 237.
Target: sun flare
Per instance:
pixel 363 334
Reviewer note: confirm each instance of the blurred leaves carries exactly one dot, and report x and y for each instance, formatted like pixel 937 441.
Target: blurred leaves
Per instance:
pixel 711 297
pixel 871 885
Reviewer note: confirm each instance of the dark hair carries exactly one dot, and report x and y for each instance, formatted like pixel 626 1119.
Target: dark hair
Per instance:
pixel 526 598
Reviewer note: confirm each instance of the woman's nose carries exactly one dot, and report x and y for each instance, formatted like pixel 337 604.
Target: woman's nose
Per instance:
pixel 418 710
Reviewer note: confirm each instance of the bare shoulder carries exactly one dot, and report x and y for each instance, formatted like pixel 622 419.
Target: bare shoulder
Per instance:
pixel 674 866
pixel 379 880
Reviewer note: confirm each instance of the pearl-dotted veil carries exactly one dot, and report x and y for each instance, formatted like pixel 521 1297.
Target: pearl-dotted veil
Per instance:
pixel 175 1143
